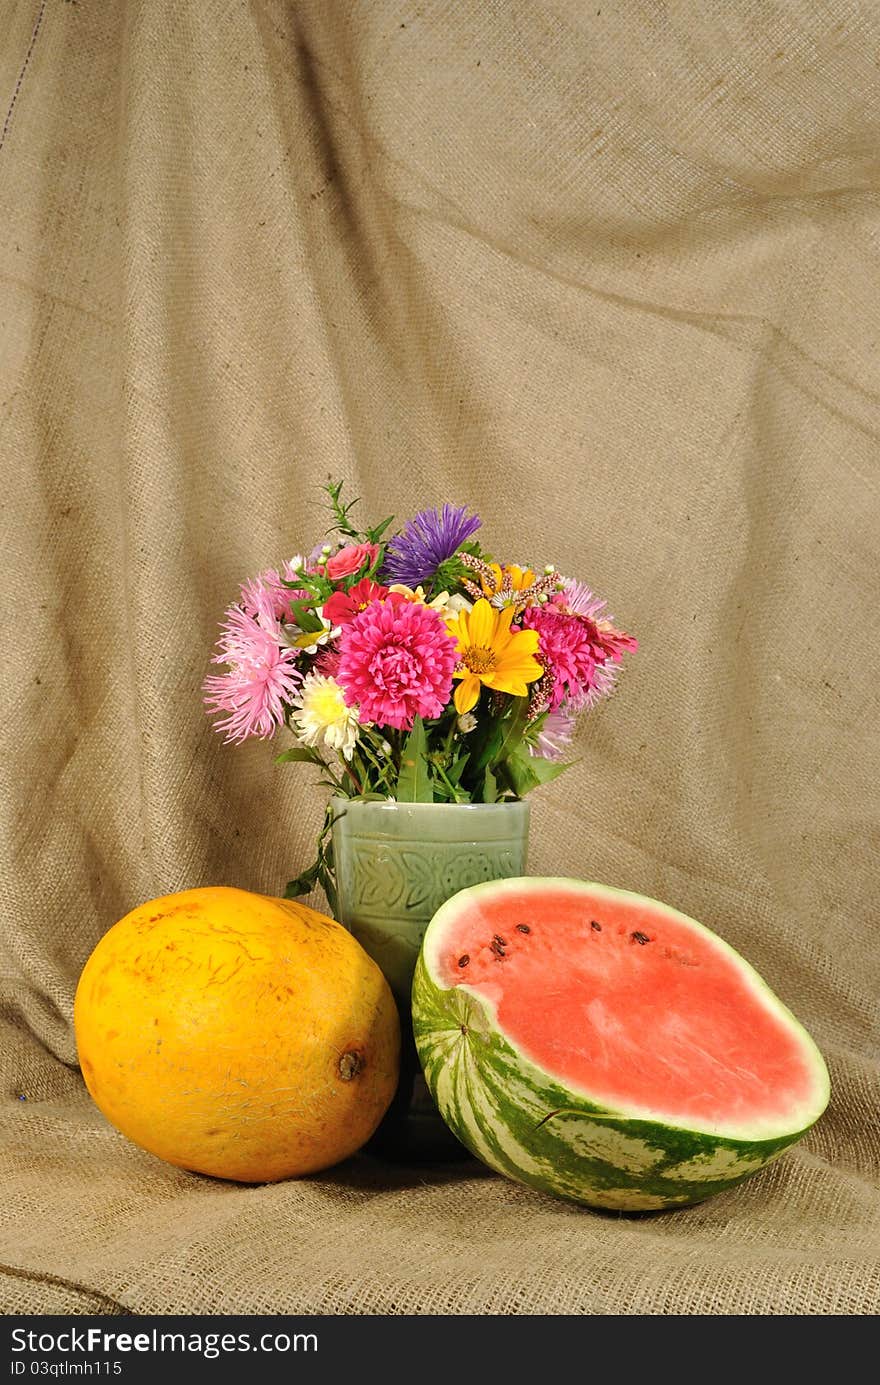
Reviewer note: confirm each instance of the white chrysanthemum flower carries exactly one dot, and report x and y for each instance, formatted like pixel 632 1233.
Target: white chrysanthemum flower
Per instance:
pixel 322 719
pixel 467 722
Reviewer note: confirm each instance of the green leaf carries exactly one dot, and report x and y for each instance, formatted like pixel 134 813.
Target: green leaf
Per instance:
pixel 305 616
pixel 327 868
pixel 490 787
pixel 309 582
pixel 304 883
pixel 322 871
pixel 374 535
pixel 525 772
pixel 506 733
pixel 456 769
pixel 340 512
pixel 486 754
pixel 414 783
pixel 327 880
pixel 449 575
pixel 515 727
pixel 535 727
pixel 547 770
pixel 299 752
pixel 445 793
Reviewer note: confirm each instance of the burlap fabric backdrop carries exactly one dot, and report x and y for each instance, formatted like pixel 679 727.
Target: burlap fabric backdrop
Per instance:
pixel 609 275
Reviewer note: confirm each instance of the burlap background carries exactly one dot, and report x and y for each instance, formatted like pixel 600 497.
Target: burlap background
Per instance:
pixel 607 273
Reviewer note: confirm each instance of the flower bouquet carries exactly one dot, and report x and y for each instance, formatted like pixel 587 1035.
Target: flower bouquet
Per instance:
pixel 415 668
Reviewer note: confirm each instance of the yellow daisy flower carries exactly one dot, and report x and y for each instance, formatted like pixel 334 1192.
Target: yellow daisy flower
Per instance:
pixel 518 579
pixel 490 654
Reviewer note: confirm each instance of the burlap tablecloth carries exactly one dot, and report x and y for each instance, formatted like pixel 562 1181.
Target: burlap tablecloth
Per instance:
pixel 606 273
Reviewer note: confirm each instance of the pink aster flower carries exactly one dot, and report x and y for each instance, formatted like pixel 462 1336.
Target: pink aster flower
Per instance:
pixel 566 651
pixel 555 735
pixel 577 599
pixel 267 599
pixel 262 677
pixel 603 683
pixel 613 642
pixel 396 663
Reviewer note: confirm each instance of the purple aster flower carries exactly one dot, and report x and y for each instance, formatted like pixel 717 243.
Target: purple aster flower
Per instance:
pixel 414 555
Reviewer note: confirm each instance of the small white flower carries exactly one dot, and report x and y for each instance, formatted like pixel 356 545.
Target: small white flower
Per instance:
pixel 466 722
pixel 322 718
pixel 440 604
pixel 296 562
pixel 458 603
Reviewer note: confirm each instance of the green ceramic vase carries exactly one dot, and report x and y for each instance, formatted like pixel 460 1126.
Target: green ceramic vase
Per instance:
pixel 396 863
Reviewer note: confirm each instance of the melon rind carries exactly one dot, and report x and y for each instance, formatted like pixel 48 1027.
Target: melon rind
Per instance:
pixel 525 1124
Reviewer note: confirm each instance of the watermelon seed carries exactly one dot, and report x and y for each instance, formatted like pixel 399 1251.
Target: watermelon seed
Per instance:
pixel 523 928
pixel 640 938
pixel 596 927
pixel 463 960
pixel 497 946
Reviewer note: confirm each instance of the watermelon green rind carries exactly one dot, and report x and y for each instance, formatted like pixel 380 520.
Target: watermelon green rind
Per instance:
pixel 522 1122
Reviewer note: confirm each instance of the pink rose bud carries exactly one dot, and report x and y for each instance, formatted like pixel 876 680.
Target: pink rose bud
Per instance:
pixel 351 559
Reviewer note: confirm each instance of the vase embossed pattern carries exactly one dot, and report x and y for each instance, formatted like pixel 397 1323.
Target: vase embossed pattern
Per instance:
pixel 396 863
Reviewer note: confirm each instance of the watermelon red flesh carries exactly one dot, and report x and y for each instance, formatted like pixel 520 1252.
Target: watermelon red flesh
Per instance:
pixel 635 1005
pixel 603 1047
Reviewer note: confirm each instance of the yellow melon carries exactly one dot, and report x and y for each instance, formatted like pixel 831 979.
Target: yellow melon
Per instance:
pixel 236 1035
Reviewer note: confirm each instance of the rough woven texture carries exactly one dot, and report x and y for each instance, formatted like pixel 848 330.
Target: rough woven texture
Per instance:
pixel 607 274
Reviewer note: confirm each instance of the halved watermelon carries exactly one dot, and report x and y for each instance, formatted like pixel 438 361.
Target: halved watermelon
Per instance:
pixel 604 1047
